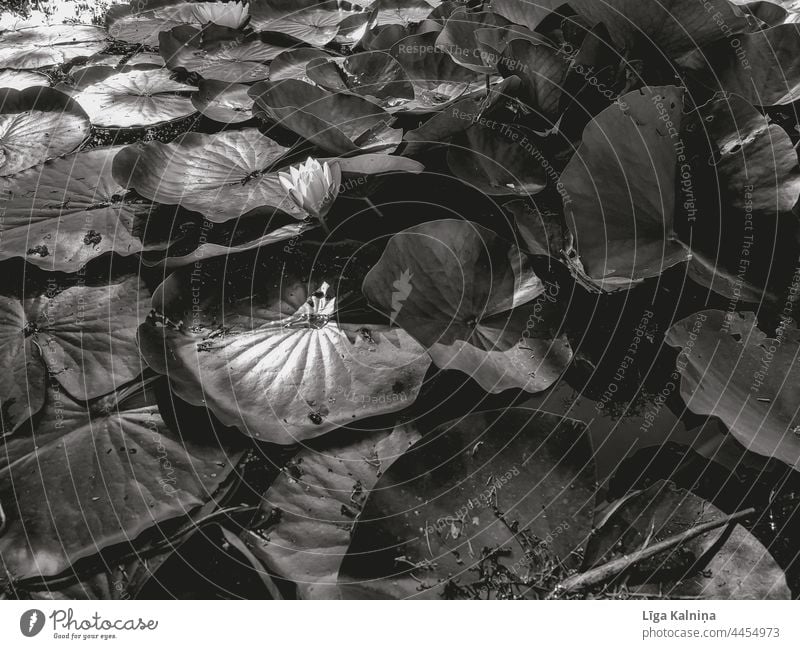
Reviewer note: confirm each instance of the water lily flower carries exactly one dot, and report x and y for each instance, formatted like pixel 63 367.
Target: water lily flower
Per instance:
pixel 313 186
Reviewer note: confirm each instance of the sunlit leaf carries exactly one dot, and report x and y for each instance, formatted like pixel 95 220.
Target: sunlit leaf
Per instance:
pixel 278 356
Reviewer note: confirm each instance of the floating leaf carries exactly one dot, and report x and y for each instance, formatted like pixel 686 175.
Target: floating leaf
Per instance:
pixel 222 175
pixel 278 356
pixel 291 64
pixel 141 21
pixel 720 564
pixel 619 188
pixel 37 124
pixel 764 67
pixel 39 47
pixel 67 211
pixel 95 476
pixel 336 122
pixel 376 76
pixel 82 335
pixel 469 298
pixel 319 496
pixel 498 159
pixel 238 60
pixel 732 370
pixel 132 98
pixel 674 26
pixel 22 79
pixel 459 39
pixel 210 240
pixel 542 69
pixel 511 488
pixel 315 23
pixel 437 79
pixel 526 12
pixel 224 102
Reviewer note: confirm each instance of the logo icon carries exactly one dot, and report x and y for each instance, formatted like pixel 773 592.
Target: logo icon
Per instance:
pixel 402 289
pixel 31 622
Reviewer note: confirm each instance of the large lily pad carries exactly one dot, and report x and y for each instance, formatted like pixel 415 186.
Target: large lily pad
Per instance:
pixel 336 122
pixel 720 564
pixel 498 159
pixel 234 60
pixel 376 76
pixel 619 188
pixel 512 489
pixel 319 496
pixel 459 39
pixel 224 102
pixel 292 64
pixel 528 13
pixel 61 214
pixel 37 124
pixel 132 98
pixel 39 47
pixel 21 79
pixel 542 69
pixel 83 336
pixel 141 21
pixel 764 67
pixel 732 370
pixel 437 79
pixel 95 476
pixel 315 23
pixel 222 175
pixel 474 301
pixel 674 26
pixel 279 356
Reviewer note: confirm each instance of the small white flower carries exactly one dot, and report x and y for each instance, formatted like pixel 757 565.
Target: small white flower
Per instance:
pixel 312 186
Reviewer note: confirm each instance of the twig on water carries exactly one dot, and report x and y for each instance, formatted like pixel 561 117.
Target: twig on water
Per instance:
pixel 607 571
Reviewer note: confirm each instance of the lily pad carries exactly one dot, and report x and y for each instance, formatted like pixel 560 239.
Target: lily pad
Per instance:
pixel 732 370
pixel 336 122
pixel 526 12
pixel 238 60
pixel 279 356
pixel 132 98
pixel 315 23
pixel 498 159
pixel 207 240
pixel 65 212
pixel 141 21
pixel 511 489
pixel 437 79
pixel 763 68
pixel 674 26
pixel 376 76
pixel 22 79
pixel 224 102
pixel 319 496
pixel 83 336
pixel 39 47
pixel 542 69
pixel 37 124
pixel 720 564
pixel 619 188
pixel 223 175
pixel 291 64
pixel 459 39
pixel 474 301
pixel 95 476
